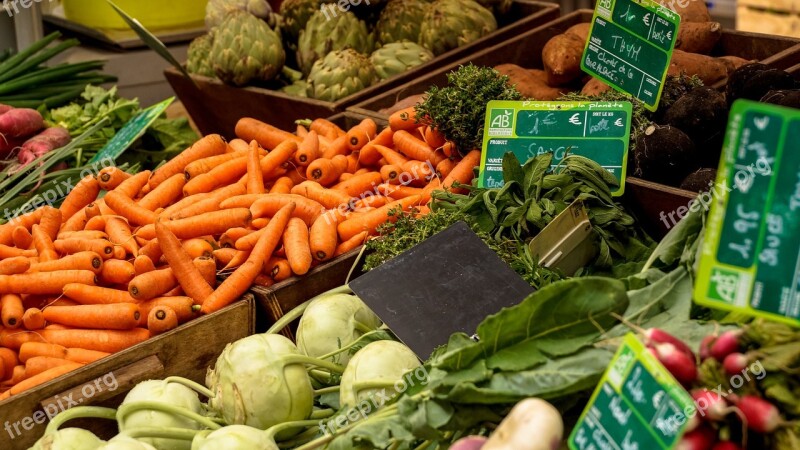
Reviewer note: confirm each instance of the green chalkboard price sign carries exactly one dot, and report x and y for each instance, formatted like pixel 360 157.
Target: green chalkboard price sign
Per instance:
pixel 597 130
pixel 630 47
pixel 637 405
pixel 132 131
pixel 751 254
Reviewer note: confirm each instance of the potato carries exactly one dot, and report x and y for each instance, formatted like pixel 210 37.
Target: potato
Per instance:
pixel 562 59
pixel 689 10
pixel 581 30
pixel 698 37
pixel 595 87
pixel 709 70
pixel 528 84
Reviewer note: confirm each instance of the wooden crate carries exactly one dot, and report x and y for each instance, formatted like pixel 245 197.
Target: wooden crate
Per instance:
pixel 215 107
pixel 186 351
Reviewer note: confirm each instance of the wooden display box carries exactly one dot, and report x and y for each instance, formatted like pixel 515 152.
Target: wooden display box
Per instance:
pixel 187 351
pixel 215 107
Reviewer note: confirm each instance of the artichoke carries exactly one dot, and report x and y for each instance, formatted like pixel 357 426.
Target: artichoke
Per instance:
pixel 325 33
pixel 218 10
pixel 295 15
pixel 401 20
pixel 449 24
pixel 198 56
pixel 339 74
pixel 397 57
pixel 246 49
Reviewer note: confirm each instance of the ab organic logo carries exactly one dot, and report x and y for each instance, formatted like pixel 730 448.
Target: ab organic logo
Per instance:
pixel 501 122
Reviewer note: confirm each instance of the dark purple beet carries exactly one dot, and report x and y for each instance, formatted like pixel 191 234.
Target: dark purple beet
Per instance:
pixel 701 180
pixel 664 154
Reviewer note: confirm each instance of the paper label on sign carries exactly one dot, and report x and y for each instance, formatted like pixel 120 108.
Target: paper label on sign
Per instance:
pixel 630 46
pixel 132 131
pixel 751 253
pixel 597 130
pixel 637 405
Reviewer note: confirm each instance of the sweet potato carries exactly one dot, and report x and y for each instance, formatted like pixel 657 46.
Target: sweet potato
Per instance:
pixel 581 30
pixel 708 69
pixel 595 87
pixel 562 59
pixel 698 37
pixel 733 62
pixel 528 84
pixel 539 74
pixel 689 10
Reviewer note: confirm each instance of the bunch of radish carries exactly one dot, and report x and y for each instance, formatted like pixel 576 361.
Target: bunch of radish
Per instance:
pixel 725 418
pixel 23 132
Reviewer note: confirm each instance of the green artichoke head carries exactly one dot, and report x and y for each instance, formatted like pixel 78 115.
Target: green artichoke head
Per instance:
pixel 330 30
pixel 339 74
pixel 246 49
pixel 400 20
pixel 295 14
pixel 218 10
pixel 198 56
pixel 449 24
pixel 397 57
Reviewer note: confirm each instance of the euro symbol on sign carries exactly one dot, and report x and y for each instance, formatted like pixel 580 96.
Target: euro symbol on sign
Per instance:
pixel 669 35
pixel 575 120
pixel 619 122
pixel 761 122
pixel 646 19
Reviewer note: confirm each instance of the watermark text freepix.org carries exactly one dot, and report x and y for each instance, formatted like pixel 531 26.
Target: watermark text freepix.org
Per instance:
pixel 329 9
pixel 61 403
pixel 13 6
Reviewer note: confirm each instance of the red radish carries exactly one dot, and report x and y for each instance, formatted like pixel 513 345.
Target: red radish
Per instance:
pixel 662 337
pixel 700 439
pixel 710 404
pixel 761 415
pixel 5 108
pixel 735 363
pixel 43 143
pixel 469 443
pixel 726 445
pixel 680 365
pixel 705 346
pixel 21 122
pixel 726 343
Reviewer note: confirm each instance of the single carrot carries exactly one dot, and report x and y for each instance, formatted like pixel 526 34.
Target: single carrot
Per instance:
pixel 323 236
pixel 306 209
pixel 197 247
pixel 229 238
pixel 112 316
pixel 444 168
pixel 221 175
pixel 86 260
pixel 391 173
pixel 43 377
pixel 327 171
pixel 237 145
pixel 240 201
pixel 240 280
pixel 359 135
pixel 96 295
pixel 400 192
pixel 39 364
pixel 152 284
pixel 82 194
pixel 76 222
pixel 259 223
pixel 43 244
pixel 266 135
pixel 391 156
pixel 14 265
pixel 21 238
pixel 360 184
pixel 92 210
pixel 301 131
pixel 210 145
pixel 328 198
pixel 207 268
pixel 111 177
pixel 296 243
pixel 352 164
pixel 405 119
pixel 17 375
pixel 337 147
pixel 161 319
pixel 372 219
pixel 142 264
pixel 350 244
pixel 368 155
pixel 128 209
pixel 70 246
pixel 84 356
pixel 14 339
pixel 132 186
pixel 282 185
pixel 463 172
pixel 308 150
pixel 434 138
pixel 110 341
pixel 117 271
pixel 44 282
pixel 188 276
pixel 278 156
pixel 449 149
pixel 96 223
pixel 255 178
pixel 205 165
pixel 30 350
pixel 10 252
pixel 164 194
pixel 210 223
pixel 11 310
pixel 183 306
pixel 419 172
pixel 8 358
pixel 325 127
pixel 83 234
pixel 33 319
pixel 413 148
pixel 278 268
pixel 119 233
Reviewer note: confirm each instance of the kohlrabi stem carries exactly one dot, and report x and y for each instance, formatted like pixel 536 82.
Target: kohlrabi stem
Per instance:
pixel 321 374
pixel 326 390
pixel 372 384
pixel 126 409
pixel 78 412
pixel 352 344
pixel 197 387
pixel 322 414
pixel 298 311
pixel 181 434
pixel 362 328
pixel 303 359
pixel 276 429
pixel 300 439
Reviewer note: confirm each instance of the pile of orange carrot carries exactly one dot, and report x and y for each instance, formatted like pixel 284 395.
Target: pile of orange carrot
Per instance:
pixel 128 256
